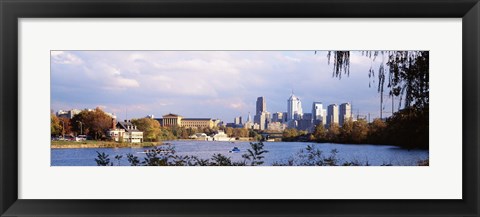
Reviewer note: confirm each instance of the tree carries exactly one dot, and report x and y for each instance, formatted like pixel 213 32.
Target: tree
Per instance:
pixel 320 133
pixel 95 123
pixel 290 134
pixel 103 159
pixel 64 121
pixel 359 131
pixel 408 73
pixel 229 131
pixel 165 134
pixel 221 160
pixel 255 155
pixel 55 125
pixel 150 127
pixel 346 131
pixel 333 132
pixel 376 131
pixel 408 79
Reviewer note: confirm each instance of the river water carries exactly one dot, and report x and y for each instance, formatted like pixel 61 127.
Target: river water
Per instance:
pixel 278 152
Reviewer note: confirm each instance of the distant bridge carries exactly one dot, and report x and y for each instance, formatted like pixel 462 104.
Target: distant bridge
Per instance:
pixel 272 135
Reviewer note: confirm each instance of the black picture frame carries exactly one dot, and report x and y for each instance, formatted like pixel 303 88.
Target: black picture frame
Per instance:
pixel 12 10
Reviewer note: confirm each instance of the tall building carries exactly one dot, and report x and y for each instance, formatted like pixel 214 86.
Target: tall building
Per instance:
pixel 294 106
pixel 262 117
pixel 317 110
pixel 332 114
pixel 345 113
pixel 238 120
pixel 262 120
pixel 277 117
pixel 261 105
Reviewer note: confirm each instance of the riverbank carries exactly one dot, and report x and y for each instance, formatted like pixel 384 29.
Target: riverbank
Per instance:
pixel 100 144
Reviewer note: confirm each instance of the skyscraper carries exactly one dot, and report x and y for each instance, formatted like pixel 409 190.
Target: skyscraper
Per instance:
pixel 261 105
pixel 317 111
pixel 294 106
pixel 262 117
pixel 345 113
pixel 332 114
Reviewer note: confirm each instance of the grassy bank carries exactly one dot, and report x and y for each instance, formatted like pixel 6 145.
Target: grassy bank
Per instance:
pixel 100 144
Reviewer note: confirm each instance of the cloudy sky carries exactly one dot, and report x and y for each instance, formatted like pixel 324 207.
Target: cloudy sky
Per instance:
pixel 216 84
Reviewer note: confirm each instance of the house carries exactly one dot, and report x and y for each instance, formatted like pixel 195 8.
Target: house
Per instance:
pixel 126 131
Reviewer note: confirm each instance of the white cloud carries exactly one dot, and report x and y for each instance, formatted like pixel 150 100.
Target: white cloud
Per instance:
pixel 224 83
pixel 61 57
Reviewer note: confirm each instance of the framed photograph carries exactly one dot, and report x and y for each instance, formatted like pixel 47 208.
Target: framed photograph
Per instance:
pixel 180 108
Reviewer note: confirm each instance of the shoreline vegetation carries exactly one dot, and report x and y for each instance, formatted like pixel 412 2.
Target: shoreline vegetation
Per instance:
pixel 100 144
pixel 166 156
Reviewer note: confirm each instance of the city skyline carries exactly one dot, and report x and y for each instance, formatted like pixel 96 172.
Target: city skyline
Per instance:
pixel 217 84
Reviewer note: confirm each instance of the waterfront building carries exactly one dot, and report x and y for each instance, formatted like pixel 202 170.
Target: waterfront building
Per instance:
pixel 345 113
pixel 126 132
pixel 332 114
pixel 294 106
pixel 199 136
pixel 220 136
pixel 170 119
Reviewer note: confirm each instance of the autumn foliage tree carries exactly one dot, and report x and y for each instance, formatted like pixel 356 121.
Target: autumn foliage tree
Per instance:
pixel 55 125
pixel 150 127
pixel 95 123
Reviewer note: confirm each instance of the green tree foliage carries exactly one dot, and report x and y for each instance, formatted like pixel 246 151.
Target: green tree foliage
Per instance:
pixel 255 155
pixel 133 160
pixel 221 160
pixel 150 127
pixel 103 159
pixel 165 134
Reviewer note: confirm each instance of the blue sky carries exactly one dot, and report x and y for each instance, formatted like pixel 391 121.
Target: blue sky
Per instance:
pixel 214 84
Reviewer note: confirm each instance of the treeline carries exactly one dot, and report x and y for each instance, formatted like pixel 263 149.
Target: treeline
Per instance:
pixel 96 123
pixel 407 128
